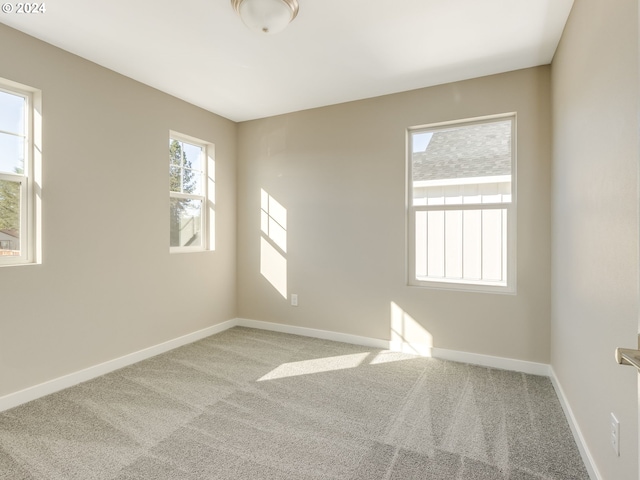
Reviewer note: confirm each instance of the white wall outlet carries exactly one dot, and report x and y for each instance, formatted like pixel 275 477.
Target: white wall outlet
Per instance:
pixel 615 434
pixel 294 299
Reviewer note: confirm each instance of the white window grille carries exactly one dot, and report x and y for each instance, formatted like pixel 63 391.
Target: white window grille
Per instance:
pixel 461 196
pixel 191 193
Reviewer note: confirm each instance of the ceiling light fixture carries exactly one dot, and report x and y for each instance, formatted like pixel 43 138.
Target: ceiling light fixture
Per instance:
pixel 266 16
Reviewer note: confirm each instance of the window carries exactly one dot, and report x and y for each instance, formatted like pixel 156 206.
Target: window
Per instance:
pixel 461 198
pixel 191 194
pixel 19 157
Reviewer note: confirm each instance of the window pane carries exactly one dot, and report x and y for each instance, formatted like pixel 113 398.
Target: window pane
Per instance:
pixel 9 218
pixel 435 195
pixel 471 194
pixel 186 223
pixel 458 175
pixel 472 245
pixel 505 191
pixel 453 194
pixel 453 244
pixel 420 141
pixel 11 153
pixel 175 152
pixel 192 156
pixel 192 181
pixel 175 179
pixel 467 245
pixel 446 161
pixel 190 213
pixel 492 245
pixel 12 110
pixel 435 244
pixel 421 244
pixel 492 192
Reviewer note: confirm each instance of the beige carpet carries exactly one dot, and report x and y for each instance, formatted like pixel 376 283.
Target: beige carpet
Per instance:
pixel 250 404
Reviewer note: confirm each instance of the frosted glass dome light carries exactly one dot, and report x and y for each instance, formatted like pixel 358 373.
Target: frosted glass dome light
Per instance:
pixel 266 16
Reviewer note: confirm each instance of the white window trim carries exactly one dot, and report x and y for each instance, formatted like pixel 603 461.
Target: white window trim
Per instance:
pixel 462 181
pixel 510 285
pixel 207 218
pixel 31 180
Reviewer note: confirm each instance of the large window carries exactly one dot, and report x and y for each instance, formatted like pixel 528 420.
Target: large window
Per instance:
pixel 18 182
pixel 461 195
pixel 191 194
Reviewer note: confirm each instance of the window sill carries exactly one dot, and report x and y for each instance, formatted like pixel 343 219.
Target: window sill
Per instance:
pixel 461 286
pixel 19 264
pixel 179 250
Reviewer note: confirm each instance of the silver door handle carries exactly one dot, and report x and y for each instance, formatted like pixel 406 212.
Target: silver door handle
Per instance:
pixel 628 356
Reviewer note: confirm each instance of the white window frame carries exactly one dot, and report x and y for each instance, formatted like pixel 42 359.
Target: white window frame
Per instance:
pixel 509 285
pixel 207 217
pixel 30 181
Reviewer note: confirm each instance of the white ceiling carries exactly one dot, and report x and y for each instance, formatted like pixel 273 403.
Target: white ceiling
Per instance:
pixel 334 51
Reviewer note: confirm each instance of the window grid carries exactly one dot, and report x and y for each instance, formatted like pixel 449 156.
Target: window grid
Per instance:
pixel 464 249
pixel 190 203
pixel 439 250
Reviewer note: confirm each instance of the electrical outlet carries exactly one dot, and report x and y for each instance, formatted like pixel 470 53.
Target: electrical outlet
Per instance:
pixel 294 299
pixel 615 434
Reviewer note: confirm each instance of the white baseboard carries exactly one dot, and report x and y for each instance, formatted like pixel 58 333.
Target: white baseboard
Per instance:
pixel 501 363
pixel 444 354
pixel 32 393
pixel 14 399
pixel 589 463
pixel 312 332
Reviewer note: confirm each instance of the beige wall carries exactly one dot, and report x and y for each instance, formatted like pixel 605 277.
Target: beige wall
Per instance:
pixel 595 224
pixel 340 173
pixel 107 285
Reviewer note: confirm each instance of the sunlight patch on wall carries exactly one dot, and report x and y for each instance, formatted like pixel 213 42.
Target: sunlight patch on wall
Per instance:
pixel 273 267
pixel 273 220
pixel 317 365
pixel 407 335
pixel 273 242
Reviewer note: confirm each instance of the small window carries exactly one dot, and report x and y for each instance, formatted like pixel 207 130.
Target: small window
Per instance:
pixel 191 194
pixel 462 205
pixel 18 148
